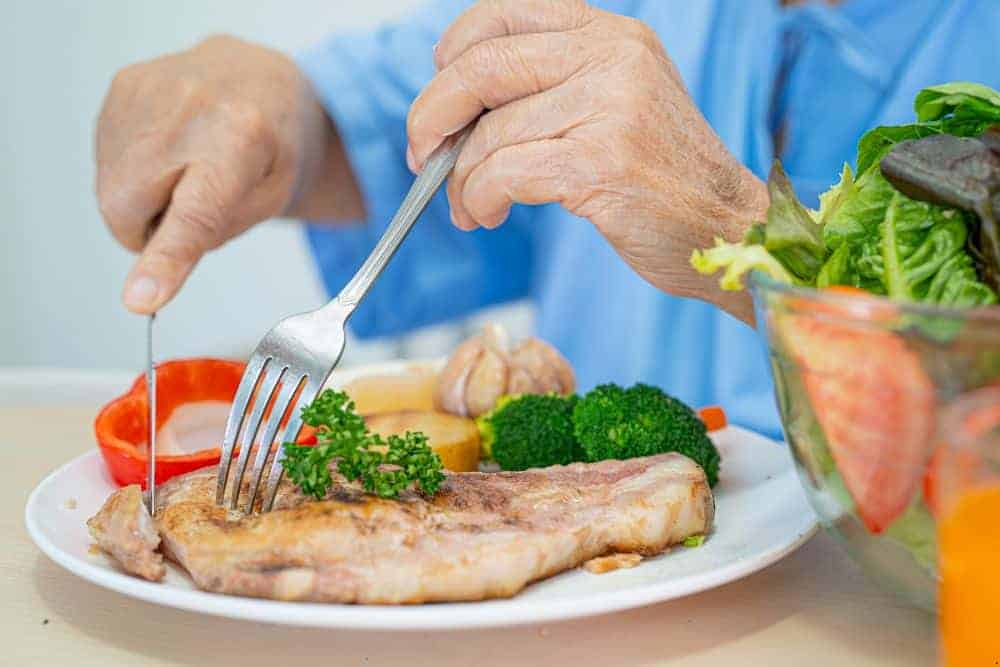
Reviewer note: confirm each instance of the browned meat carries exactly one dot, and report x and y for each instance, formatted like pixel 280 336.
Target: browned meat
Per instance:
pixel 124 529
pixel 484 535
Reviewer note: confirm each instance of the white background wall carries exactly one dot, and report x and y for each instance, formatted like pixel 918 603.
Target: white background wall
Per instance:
pixel 60 271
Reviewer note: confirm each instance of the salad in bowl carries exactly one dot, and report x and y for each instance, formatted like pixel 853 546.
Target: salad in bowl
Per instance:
pixel 879 309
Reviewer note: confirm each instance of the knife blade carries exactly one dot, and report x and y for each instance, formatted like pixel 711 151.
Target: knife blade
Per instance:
pixel 151 400
pixel 151 228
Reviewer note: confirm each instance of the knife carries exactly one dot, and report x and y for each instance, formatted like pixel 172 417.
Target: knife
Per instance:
pixel 151 389
pixel 151 394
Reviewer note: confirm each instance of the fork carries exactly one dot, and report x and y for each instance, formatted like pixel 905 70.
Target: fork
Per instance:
pixel 294 359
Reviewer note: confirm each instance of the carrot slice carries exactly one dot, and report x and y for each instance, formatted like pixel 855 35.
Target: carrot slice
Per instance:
pixel 714 417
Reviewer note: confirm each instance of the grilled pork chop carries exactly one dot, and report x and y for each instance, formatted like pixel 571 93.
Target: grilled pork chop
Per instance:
pixel 124 529
pixel 483 535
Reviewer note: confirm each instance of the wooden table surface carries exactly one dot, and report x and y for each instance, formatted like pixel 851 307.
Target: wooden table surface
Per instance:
pixel 813 608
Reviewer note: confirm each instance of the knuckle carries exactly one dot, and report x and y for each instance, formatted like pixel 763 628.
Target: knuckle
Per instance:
pixel 202 212
pixel 640 32
pixel 218 40
pixel 179 252
pixel 125 78
pixel 478 61
pixel 634 51
pixel 485 67
pixel 189 93
pixel 200 232
pixel 486 137
pixel 250 127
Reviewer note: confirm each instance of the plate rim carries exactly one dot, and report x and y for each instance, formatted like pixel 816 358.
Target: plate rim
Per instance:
pixel 501 613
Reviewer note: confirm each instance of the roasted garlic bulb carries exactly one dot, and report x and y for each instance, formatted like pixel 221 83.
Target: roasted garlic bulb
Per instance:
pixel 487 366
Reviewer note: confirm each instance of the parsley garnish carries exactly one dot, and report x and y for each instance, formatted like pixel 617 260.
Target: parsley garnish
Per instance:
pixel 385 467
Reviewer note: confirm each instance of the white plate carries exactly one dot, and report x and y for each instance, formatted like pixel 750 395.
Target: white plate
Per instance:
pixel 762 515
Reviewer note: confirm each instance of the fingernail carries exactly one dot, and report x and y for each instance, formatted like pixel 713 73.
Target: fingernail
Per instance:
pixel 140 293
pixel 411 162
pixel 497 220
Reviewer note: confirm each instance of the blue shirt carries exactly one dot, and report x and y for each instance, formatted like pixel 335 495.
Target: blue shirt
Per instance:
pixel 820 74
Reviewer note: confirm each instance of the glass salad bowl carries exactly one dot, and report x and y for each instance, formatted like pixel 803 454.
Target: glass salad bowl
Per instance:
pixel 861 383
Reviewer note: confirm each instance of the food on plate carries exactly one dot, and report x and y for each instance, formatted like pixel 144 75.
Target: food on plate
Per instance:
pixel 482 535
pixel 615 423
pixel 605 564
pixel 125 530
pixel 454 439
pixel 534 431
pixel 122 427
pixel 488 366
pixel 714 417
pixel 366 512
pixel 394 392
pixel 384 466
pixel 927 233
pixel 530 431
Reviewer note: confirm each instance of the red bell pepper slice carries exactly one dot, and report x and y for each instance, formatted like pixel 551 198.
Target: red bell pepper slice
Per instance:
pixel 121 426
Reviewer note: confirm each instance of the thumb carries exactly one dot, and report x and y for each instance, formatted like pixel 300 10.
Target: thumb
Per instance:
pixel 192 224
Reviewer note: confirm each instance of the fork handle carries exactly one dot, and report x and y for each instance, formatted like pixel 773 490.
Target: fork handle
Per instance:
pixel 436 170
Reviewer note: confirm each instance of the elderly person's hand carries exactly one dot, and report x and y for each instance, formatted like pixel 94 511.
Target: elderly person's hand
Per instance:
pixel 209 142
pixel 584 108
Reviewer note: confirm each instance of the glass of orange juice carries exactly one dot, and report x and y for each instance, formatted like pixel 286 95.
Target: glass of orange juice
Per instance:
pixel 965 488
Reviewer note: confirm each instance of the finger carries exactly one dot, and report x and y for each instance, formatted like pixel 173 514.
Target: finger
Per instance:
pixel 489 75
pixel 547 115
pixel 200 211
pixel 539 172
pixel 129 200
pixel 459 216
pixel 501 18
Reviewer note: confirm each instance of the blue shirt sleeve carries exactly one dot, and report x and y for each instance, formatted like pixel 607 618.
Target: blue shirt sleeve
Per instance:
pixel 366 81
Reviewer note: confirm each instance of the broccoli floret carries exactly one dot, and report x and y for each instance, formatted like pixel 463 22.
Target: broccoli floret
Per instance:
pixel 615 423
pixel 530 431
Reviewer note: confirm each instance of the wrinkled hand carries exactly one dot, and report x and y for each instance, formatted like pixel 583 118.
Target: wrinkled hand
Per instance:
pixel 583 108
pixel 207 142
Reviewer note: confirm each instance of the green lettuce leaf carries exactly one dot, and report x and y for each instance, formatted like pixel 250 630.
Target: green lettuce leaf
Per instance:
pixel 738 259
pixel 790 234
pixel 867 233
pixel 876 142
pixel 859 216
pixel 839 269
pixel 961 109
pixel 890 244
pixel 831 200
pixel 961 98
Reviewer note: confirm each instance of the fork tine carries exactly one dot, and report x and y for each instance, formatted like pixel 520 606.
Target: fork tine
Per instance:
pixel 267 386
pixel 307 396
pixel 236 415
pixel 281 403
